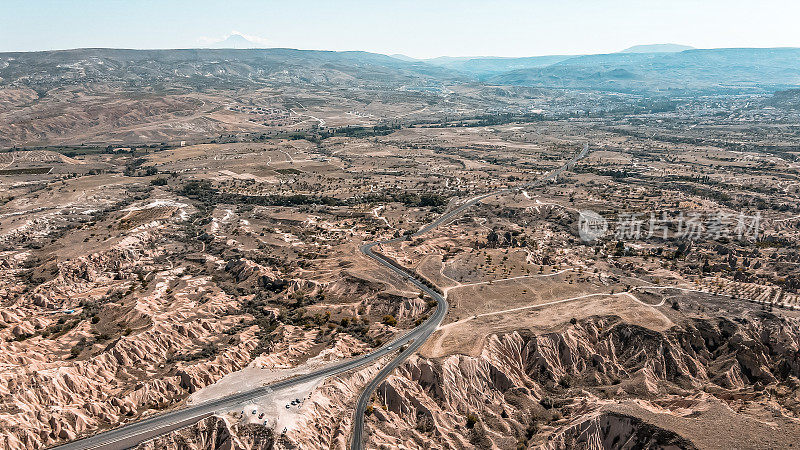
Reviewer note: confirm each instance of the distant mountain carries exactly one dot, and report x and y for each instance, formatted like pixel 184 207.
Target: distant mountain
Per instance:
pixel 690 72
pixel 657 48
pixel 446 60
pixel 236 41
pixel 483 67
pixel 403 57
pixel 74 95
pixel 715 71
pixel 209 68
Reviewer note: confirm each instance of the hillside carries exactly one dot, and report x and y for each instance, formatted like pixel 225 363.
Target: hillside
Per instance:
pixel 204 68
pixel 688 72
pixel 789 99
pixel 487 66
pixel 133 96
pixel 86 96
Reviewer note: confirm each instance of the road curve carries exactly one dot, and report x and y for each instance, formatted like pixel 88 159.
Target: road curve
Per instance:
pixel 420 334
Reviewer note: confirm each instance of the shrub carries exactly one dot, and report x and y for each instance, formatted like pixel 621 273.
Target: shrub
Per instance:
pixel 389 320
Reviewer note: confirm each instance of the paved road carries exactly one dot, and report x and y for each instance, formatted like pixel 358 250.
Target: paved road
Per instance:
pixel 418 337
pixel 130 435
pixel 421 333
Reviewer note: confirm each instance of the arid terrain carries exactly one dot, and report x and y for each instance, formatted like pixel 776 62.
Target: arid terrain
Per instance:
pixel 172 239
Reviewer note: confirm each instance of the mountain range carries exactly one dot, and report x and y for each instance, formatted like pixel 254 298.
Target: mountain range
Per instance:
pixel 659 72
pixel 731 71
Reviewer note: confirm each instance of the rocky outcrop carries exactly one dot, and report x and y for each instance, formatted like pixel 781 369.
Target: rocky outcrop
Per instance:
pixel 399 306
pixel 62 399
pixel 615 431
pixel 544 388
pixel 88 277
pixel 246 271
pixel 214 433
pixel 351 285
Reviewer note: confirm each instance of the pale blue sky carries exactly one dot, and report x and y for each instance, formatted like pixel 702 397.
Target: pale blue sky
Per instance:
pixel 415 28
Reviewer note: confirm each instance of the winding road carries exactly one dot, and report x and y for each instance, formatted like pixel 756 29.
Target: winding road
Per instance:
pixel 132 434
pixel 427 328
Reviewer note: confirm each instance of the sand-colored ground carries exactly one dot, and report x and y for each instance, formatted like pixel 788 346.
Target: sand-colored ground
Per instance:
pixel 467 336
pixel 270 409
pixel 711 424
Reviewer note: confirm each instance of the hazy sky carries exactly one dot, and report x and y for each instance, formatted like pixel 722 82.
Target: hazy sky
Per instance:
pixel 415 28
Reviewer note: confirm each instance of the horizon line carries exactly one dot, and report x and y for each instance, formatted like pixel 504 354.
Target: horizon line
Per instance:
pixel 396 54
